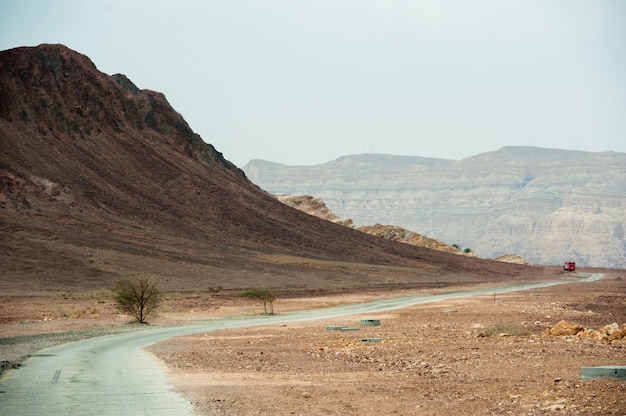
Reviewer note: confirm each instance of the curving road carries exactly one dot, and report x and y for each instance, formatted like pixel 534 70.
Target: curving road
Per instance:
pixel 112 375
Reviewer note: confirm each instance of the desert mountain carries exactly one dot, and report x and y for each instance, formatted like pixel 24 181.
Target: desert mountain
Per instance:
pixel 101 179
pixel 546 205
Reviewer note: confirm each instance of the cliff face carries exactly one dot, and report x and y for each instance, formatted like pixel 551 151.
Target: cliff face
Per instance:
pixel 546 205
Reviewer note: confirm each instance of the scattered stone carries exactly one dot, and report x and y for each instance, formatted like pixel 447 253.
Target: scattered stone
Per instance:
pixel 608 333
pixel 554 407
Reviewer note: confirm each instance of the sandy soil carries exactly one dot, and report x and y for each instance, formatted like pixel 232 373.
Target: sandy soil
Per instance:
pixel 429 360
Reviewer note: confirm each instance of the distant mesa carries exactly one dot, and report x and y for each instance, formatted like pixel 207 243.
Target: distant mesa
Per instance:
pixel 546 205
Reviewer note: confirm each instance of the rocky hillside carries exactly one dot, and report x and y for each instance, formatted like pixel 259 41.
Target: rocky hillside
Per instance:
pixel 315 206
pixel 395 233
pixel 546 205
pixel 101 179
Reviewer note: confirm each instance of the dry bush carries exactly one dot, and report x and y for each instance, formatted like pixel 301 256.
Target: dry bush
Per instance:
pixel 138 297
pixel 505 328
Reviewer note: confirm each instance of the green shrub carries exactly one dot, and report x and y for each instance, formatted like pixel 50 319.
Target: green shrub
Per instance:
pixel 265 295
pixel 138 297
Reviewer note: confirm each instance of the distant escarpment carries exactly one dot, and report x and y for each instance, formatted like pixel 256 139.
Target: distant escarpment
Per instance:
pixel 547 205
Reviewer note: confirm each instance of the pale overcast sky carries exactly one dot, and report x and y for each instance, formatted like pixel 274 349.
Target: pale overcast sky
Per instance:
pixel 304 82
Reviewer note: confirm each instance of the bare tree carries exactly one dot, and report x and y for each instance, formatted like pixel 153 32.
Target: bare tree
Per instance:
pixel 267 296
pixel 138 297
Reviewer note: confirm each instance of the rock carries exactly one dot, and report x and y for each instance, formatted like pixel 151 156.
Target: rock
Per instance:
pixel 613 332
pixel 590 334
pixel 564 328
pixel 554 407
pixel 511 258
pixel 310 205
pixel 608 333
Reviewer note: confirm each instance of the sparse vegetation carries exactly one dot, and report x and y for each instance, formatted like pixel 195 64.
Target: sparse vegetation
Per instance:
pixel 138 297
pixel 466 250
pixel 505 328
pixel 75 312
pixel 265 295
pixel 186 301
pixel 98 295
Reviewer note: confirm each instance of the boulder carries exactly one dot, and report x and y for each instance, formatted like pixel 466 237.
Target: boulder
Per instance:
pixel 608 333
pixel 564 328
pixel 613 332
pixel 590 334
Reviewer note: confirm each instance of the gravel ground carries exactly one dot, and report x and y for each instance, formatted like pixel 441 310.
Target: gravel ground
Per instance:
pixel 432 359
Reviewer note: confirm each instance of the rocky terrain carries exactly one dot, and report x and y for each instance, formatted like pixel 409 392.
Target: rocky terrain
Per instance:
pixel 547 205
pixel 476 356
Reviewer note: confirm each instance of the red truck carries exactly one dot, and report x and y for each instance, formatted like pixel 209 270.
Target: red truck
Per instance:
pixel 569 266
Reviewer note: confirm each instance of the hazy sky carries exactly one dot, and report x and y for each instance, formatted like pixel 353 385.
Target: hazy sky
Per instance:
pixel 304 82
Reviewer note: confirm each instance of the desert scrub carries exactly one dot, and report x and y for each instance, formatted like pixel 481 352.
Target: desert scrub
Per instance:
pixel 98 295
pixel 72 312
pixel 505 328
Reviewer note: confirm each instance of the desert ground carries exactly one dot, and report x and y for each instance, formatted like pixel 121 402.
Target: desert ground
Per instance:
pixel 480 355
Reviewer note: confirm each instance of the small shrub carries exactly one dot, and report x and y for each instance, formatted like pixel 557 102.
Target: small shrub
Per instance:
pixel 505 328
pixel 70 312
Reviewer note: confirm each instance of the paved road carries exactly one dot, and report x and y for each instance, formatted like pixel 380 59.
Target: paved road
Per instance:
pixel 112 375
